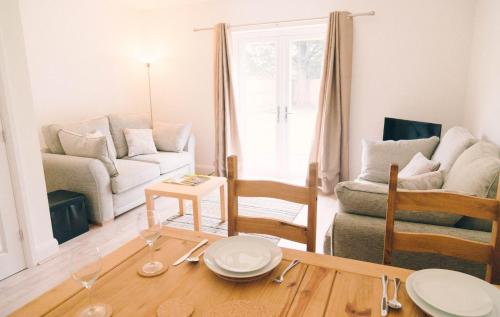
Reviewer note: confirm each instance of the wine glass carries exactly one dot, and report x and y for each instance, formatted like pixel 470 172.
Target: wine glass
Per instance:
pixel 148 226
pixel 85 266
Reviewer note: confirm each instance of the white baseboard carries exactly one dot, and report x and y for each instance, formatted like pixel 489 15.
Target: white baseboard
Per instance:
pixel 205 169
pixel 45 250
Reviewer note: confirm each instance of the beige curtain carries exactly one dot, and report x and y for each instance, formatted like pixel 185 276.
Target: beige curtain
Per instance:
pixel 227 140
pixel 331 140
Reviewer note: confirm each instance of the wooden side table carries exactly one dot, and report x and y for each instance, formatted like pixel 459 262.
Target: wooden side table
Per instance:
pixel 193 193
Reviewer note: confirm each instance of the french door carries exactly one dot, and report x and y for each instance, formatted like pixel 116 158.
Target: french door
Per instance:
pixel 11 249
pixel 278 75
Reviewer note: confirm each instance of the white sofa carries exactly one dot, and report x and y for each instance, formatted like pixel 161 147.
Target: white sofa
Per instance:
pixel 108 197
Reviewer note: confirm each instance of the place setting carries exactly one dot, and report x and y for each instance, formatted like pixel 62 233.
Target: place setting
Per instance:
pixel 446 293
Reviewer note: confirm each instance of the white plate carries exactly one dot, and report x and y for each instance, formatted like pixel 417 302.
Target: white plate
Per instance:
pixel 210 262
pixel 243 254
pixel 491 292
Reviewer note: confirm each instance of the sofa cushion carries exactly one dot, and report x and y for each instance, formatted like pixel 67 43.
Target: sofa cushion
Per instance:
pixel 426 181
pixel 118 122
pixel 168 161
pixel 133 173
pixel 139 141
pixel 92 145
pixel 370 199
pixel 454 142
pixel 51 136
pixel 418 165
pixel 377 156
pixel 476 170
pixel 171 137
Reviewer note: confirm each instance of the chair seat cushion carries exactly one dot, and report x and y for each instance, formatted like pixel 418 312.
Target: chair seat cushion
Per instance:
pixel 370 199
pixel 133 173
pixel 167 161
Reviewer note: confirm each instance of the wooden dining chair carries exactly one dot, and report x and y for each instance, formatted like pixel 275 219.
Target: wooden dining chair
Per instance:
pixel 475 207
pixel 271 189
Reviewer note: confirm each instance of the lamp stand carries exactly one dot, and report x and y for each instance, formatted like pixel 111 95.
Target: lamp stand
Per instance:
pixel 148 66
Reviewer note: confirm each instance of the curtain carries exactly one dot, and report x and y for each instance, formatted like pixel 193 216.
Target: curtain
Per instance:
pixel 226 127
pixel 331 138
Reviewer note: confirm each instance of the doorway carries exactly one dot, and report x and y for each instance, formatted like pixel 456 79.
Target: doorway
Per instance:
pixel 278 73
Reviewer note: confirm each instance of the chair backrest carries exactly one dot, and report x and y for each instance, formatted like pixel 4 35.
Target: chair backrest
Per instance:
pixel 431 201
pixel 271 189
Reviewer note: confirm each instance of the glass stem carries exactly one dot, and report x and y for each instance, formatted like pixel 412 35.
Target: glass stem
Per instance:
pixel 90 299
pixel 152 252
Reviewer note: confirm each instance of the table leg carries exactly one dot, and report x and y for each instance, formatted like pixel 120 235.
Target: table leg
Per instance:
pixel 196 214
pixel 223 203
pixel 150 206
pixel 181 207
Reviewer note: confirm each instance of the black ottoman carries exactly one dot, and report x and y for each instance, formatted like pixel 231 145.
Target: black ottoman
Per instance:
pixel 68 213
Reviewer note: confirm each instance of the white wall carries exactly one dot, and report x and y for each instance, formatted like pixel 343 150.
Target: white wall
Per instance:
pixel 22 144
pixel 410 60
pixel 84 58
pixel 482 111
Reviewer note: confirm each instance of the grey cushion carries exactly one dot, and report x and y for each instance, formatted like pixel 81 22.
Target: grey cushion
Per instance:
pixel 362 238
pixel 377 156
pixel 431 180
pixel 476 170
pixel 171 137
pixel 51 137
pixel 452 145
pixel 91 145
pixel 168 161
pixel 133 173
pixel 370 199
pixel 139 141
pixel 118 122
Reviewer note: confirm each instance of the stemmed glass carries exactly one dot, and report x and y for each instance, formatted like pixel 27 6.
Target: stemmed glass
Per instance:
pixel 85 266
pixel 148 226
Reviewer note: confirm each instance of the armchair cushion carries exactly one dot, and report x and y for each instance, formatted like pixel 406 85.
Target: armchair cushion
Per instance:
pixel 452 145
pixel 171 137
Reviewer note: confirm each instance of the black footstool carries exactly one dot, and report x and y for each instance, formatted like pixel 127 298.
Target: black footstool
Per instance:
pixel 68 213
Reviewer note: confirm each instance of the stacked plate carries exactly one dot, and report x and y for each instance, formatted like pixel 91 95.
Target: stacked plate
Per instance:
pixel 242 258
pixel 449 294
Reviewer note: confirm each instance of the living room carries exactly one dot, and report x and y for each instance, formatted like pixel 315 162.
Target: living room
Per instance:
pixel 240 78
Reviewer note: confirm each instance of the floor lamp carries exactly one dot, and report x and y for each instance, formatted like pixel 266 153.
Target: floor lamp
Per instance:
pixel 148 66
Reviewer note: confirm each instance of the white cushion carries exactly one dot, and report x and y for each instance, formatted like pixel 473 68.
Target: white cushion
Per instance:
pixel 118 122
pixel 476 171
pixel 171 137
pixel 454 142
pixel 132 174
pixel 168 161
pixel 51 133
pixel 377 156
pixel 92 145
pixel 419 164
pixel 139 141
pixel 426 181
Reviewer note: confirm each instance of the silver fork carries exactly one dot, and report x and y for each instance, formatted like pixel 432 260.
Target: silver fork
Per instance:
pixel 280 279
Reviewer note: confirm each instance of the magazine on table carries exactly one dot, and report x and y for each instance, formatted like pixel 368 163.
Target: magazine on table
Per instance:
pixel 188 180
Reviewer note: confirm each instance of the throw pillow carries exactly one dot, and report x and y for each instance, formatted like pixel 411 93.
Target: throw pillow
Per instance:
pixel 455 142
pixel 377 156
pixel 139 141
pixel 419 164
pixel 171 137
pixel 426 181
pixel 92 145
pixel 476 171
pixel 119 121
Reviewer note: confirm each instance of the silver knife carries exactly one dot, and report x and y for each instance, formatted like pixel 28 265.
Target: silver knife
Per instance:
pixel 187 255
pixel 384 308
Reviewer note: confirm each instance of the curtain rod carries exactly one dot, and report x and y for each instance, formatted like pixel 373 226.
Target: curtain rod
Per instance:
pixel 287 21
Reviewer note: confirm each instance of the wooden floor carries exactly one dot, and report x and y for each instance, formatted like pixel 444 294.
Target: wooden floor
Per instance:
pixel 28 284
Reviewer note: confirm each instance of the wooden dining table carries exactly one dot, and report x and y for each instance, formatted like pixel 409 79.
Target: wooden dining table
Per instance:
pixel 321 285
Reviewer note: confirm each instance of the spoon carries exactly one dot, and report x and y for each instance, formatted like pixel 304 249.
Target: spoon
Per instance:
pixel 195 259
pixel 280 278
pixel 394 303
